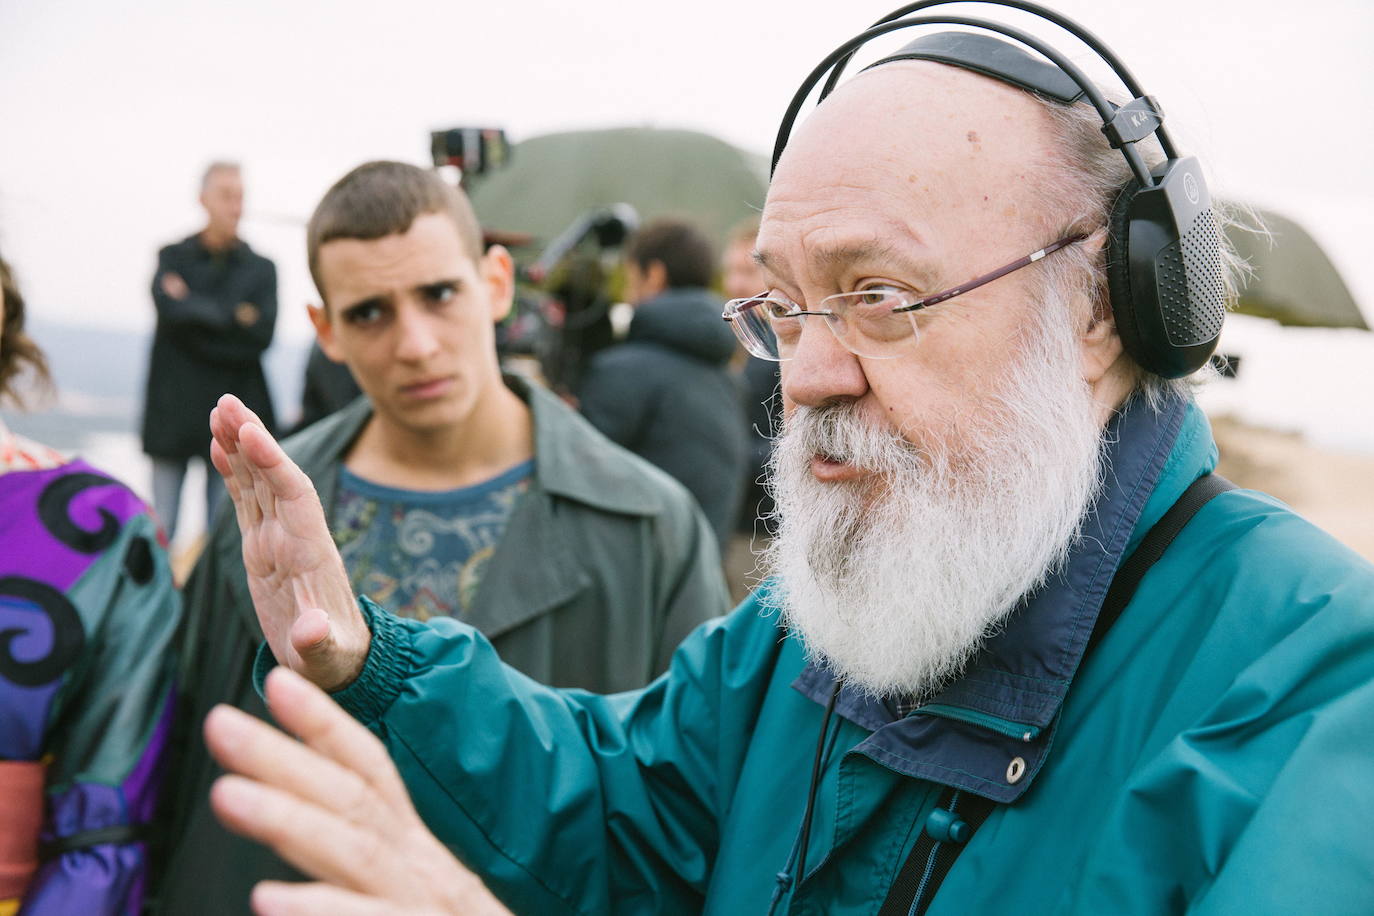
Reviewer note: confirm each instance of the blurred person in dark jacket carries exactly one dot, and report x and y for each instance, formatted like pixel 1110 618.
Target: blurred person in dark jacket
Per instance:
pixel 666 393
pixel 329 387
pixel 216 303
pixel 741 277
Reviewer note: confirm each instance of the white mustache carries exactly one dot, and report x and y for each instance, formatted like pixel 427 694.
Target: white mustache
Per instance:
pixel 838 433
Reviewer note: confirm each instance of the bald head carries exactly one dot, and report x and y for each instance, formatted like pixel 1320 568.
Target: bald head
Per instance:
pixel 939 157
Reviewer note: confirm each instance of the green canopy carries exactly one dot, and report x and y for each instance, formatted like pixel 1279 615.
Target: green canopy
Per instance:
pixel 1294 281
pixel 555 178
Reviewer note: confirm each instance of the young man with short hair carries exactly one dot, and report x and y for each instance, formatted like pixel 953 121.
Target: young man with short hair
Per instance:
pixel 450 490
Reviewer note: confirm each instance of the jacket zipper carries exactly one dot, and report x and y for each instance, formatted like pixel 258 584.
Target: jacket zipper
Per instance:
pixel 1018 730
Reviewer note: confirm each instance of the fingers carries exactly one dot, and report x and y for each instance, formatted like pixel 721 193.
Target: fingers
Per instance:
pixel 224 427
pixel 320 843
pixel 228 418
pixel 276 898
pixel 261 471
pixel 265 456
pixel 248 746
pixel 306 711
pixel 221 462
pixel 335 808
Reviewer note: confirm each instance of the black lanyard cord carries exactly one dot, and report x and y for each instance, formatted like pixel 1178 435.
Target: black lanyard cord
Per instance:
pixel 798 863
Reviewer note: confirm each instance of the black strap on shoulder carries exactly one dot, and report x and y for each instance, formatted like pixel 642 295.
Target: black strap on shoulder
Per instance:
pixel 932 857
pixel 1152 547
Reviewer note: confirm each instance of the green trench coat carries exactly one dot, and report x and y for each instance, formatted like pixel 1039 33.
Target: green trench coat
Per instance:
pixel 1215 754
pixel 605 565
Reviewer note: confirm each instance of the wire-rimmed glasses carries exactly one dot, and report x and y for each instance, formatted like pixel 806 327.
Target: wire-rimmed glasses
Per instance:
pixel 877 323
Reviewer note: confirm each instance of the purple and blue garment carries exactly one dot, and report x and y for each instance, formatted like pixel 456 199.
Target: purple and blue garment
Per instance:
pixel 88 613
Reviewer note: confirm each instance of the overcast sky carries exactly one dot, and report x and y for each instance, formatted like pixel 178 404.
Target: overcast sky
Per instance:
pixel 109 109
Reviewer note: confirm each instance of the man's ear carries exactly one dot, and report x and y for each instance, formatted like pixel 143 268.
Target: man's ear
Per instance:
pixel 655 280
pixel 324 331
pixel 497 270
pixel 1099 342
pixel 1100 345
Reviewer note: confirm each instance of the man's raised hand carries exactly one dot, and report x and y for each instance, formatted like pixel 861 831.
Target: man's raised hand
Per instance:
pixel 304 602
pixel 335 807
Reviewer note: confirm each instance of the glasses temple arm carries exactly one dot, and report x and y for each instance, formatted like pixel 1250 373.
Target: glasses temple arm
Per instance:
pixel 994 275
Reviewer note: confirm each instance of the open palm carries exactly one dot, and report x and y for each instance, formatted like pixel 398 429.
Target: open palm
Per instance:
pixel 304 603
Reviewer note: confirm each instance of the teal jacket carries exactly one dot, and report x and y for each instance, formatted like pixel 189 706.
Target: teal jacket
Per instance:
pixel 1214 754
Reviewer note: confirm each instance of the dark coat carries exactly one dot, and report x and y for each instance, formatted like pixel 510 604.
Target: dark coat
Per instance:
pixel 604 567
pixel 200 351
pixel 667 395
pixel 763 406
pixel 329 386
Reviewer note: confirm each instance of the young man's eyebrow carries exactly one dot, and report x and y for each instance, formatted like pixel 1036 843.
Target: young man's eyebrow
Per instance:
pixel 431 285
pixel 370 301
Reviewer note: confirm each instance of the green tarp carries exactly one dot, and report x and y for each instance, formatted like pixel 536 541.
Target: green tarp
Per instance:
pixel 555 178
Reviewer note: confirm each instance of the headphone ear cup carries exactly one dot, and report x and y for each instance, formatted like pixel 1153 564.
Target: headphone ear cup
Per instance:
pixel 1119 273
pixel 1165 271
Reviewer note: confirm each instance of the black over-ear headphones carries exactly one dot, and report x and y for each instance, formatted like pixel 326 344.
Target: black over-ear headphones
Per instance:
pixel 1164 264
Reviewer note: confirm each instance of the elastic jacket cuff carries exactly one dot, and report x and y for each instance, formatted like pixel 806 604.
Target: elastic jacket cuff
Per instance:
pixel 386 667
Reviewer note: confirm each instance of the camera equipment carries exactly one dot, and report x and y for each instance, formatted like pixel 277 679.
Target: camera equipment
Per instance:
pixel 575 269
pixel 609 226
pixel 474 150
pixel 1164 265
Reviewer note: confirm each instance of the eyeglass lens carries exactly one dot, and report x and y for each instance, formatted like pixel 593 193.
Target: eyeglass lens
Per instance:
pixel 863 321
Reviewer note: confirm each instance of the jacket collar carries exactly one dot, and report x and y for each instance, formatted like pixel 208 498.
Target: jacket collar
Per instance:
pixel 1007 702
pixel 236 247
pixel 571 459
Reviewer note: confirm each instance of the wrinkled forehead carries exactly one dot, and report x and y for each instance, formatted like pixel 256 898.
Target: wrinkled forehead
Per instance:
pixel 911 155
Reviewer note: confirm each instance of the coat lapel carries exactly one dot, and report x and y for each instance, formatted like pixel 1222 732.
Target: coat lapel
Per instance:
pixel 531 573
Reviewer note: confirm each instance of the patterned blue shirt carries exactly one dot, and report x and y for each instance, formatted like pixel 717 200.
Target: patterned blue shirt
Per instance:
pixel 421 554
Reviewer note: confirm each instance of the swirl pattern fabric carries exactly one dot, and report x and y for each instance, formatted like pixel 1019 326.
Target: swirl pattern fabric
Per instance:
pixel 88 610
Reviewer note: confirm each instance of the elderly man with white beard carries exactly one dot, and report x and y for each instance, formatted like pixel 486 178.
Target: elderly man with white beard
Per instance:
pixel 921 711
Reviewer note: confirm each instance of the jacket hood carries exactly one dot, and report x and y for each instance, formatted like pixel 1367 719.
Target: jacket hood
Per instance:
pixel 687 320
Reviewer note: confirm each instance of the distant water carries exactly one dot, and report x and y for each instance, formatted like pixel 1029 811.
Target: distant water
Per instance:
pixel 100 378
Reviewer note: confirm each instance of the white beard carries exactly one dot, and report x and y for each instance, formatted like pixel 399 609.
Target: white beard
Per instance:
pixel 894 582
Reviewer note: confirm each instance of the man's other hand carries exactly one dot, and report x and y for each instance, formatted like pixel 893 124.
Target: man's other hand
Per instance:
pixel 304 602
pixel 174 286
pixel 246 314
pixel 334 807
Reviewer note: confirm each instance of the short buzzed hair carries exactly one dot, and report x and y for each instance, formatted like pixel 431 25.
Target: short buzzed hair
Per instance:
pixel 213 168
pixel 686 254
pixel 378 199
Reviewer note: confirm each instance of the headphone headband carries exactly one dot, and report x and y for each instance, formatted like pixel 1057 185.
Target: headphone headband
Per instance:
pixel 1142 106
